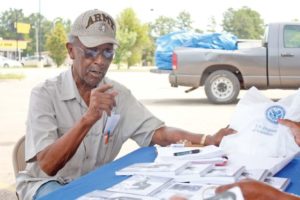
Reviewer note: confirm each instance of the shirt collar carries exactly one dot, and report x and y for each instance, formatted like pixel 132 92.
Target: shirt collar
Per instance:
pixel 68 88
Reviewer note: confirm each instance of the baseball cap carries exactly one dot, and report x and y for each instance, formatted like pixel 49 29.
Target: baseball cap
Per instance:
pixel 94 27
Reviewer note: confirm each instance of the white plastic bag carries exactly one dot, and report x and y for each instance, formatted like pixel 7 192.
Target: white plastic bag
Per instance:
pixel 255 120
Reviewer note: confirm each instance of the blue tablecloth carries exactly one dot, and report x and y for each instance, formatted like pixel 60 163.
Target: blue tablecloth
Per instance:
pixel 105 177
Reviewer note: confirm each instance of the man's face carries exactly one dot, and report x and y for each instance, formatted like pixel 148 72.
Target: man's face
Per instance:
pixel 90 64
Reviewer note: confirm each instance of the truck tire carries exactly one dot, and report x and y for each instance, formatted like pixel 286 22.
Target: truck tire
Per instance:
pixel 222 87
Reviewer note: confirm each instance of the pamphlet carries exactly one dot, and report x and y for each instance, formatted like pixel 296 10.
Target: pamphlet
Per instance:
pixel 154 168
pixel 107 195
pixel 278 182
pixel 140 185
pixel 256 174
pixel 183 190
pixel 222 175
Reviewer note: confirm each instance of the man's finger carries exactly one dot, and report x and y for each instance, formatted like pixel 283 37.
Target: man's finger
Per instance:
pixel 287 122
pixel 103 88
pixel 223 188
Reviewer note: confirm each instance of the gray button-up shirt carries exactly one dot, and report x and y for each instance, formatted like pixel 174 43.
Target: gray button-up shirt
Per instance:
pixel 55 106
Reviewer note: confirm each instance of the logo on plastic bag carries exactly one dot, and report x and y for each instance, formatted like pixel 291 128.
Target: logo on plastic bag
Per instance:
pixel 274 113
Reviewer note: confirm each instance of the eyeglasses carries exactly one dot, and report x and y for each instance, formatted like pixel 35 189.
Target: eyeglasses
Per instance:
pixel 94 53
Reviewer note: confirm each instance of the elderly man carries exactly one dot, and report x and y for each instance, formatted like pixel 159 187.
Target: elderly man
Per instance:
pixel 80 119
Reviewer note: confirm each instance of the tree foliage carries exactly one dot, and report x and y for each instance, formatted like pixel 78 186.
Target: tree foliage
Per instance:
pixel 40 27
pixel 132 36
pixel 7 20
pixel 165 25
pixel 184 21
pixel 212 26
pixel 162 26
pixel 55 43
pixel 244 23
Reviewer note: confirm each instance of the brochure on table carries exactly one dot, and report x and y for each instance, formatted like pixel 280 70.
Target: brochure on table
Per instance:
pixel 155 169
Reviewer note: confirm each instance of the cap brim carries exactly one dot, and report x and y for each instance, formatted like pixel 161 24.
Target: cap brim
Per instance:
pixel 89 41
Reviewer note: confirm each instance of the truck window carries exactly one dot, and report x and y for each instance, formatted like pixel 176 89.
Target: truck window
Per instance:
pixel 291 36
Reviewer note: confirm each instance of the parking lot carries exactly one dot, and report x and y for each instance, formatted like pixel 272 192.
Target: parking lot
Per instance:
pixel 189 111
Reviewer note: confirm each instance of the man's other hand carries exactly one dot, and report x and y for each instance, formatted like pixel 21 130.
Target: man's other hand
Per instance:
pixel 217 137
pixel 255 190
pixel 294 126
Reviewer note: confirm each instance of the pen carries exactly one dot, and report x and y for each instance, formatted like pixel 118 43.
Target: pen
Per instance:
pixel 187 152
pixel 107 137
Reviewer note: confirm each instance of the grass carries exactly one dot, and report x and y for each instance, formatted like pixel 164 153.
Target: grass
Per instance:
pixel 11 74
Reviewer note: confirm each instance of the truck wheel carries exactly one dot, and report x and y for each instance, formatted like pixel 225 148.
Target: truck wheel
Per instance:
pixel 222 87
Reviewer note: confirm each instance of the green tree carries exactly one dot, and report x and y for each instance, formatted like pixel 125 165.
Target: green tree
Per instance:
pixel 8 19
pixel 55 43
pixel 162 26
pixel 39 24
pixel 136 35
pixel 39 27
pixel 184 21
pixel 7 23
pixel 211 27
pixel 244 23
pixel 126 41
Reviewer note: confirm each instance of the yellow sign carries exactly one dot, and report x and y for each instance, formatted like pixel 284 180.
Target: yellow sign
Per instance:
pixel 7 45
pixel 22 27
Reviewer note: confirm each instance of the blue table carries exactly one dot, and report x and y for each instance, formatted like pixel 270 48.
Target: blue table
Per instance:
pixel 105 177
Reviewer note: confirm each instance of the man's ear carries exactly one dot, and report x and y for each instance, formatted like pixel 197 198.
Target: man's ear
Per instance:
pixel 70 47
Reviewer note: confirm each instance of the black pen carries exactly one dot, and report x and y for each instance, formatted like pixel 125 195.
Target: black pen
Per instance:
pixel 187 152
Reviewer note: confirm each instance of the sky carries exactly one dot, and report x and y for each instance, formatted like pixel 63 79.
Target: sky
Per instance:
pixel 201 11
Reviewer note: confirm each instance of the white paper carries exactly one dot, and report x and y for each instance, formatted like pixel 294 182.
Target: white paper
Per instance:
pixel 111 123
pixel 106 195
pixel 255 120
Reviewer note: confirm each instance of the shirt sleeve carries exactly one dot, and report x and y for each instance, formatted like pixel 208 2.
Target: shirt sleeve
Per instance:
pixel 41 123
pixel 137 122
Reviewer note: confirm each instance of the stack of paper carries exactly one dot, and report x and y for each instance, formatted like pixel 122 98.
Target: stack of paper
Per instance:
pixel 193 172
pixel 106 195
pixel 141 185
pixel 278 182
pixel 256 174
pixel 272 164
pixel 179 171
pixel 222 175
pixel 154 169
pixel 183 190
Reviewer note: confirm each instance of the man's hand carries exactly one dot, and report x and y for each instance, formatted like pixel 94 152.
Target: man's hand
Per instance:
pixel 101 100
pixel 294 126
pixel 217 137
pixel 255 190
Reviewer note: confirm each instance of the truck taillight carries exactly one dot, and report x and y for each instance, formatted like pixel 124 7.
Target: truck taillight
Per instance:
pixel 174 61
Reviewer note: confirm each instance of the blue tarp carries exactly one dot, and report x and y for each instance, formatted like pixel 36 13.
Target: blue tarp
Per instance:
pixel 167 43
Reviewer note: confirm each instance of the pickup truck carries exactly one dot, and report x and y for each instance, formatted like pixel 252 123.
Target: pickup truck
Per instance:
pixel 273 64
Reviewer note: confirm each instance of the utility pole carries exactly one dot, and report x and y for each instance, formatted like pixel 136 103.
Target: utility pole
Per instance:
pixel 36 39
pixel 17 36
pixel 39 32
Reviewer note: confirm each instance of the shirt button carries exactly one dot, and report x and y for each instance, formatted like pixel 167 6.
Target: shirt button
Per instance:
pixel 87 157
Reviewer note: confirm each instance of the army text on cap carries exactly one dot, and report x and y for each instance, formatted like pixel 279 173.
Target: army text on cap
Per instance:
pixel 101 17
